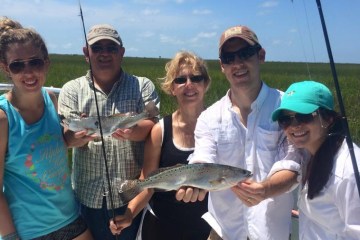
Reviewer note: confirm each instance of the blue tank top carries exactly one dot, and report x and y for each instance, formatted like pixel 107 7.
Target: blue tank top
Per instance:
pixel 37 182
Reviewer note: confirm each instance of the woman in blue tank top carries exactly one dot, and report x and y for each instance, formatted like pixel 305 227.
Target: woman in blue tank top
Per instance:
pixel 37 201
pixel 170 142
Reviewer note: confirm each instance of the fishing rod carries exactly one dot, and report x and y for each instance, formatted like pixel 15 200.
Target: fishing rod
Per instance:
pixel 341 104
pixel 99 120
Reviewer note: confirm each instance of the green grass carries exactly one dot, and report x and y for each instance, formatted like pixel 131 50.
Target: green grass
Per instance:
pixel 276 74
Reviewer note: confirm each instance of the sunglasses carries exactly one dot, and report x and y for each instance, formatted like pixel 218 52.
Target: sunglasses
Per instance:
pixel 35 64
pixel 242 54
pixel 193 79
pixel 112 49
pixel 286 120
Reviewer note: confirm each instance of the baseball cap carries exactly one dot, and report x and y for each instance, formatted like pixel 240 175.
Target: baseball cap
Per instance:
pixel 242 32
pixel 305 97
pixel 103 31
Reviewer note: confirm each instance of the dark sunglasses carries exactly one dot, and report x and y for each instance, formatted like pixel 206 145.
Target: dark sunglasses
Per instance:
pixel 193 79
pixel 112 49
pixel 242 54
pixel 286 120
pixel 36 64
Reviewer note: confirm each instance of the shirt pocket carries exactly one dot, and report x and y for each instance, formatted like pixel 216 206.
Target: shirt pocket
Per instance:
pixel 267 149
pixel 230 144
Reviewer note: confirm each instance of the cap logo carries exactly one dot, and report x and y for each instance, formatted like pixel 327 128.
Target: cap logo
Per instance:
pixel 233 31
pixel 290 93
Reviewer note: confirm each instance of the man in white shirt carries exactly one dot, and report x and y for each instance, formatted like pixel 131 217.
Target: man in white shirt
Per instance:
pixel 238 130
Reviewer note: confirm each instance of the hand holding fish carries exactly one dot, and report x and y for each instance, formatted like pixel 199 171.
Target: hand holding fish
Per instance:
pixel 251 193
pixel 122 134
pixel 120 222
pixel 190 194
pixel 78 139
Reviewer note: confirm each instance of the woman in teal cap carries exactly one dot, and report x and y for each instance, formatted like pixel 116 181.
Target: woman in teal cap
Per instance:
pixel 329 202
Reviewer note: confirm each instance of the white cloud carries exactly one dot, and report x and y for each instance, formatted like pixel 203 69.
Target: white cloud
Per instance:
pixel 269 4
pixel 149 12
pixel 202 12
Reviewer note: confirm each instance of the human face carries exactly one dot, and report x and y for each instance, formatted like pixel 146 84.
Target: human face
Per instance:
pixel 26 66
pixel 106 57
pixel 190 91
pixel 306 132
pixel 242 72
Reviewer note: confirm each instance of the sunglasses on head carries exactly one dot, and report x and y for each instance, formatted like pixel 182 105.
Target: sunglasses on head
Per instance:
pixel 193 79
pixel 242 54
pixel 113 49
pixel 286 120
pixel 36 64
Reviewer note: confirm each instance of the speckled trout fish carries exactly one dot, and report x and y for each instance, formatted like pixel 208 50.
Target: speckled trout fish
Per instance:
pixel 208 176
pixel 109 124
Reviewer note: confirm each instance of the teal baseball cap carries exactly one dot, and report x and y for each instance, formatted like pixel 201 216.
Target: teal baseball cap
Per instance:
pixel 305 97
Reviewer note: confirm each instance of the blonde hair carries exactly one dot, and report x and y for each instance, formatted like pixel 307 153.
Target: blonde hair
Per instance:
pixel 184 59
pixel 12 32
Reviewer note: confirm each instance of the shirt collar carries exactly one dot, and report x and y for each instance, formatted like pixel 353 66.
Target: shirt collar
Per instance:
pixel 256 105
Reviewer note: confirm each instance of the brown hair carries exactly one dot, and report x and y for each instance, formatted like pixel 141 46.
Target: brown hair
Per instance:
pixel 183 59
pixel 12 32
pixel 320 167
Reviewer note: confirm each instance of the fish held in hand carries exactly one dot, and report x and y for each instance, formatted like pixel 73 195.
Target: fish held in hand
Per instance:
pixel 208 176
pixel 109 124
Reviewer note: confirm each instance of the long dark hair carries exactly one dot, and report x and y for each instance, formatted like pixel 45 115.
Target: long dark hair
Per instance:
pixel 320 166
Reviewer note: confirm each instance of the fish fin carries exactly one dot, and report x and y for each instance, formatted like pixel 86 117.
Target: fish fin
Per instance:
pixel 152 109
pixel 128 189
pixel 159 170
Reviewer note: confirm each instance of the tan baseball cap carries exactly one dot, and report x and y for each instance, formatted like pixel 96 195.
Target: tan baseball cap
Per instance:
pixel 103 31
pixel 242 32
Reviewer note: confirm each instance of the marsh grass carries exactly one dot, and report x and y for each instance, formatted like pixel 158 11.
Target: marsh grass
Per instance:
pixel 276 74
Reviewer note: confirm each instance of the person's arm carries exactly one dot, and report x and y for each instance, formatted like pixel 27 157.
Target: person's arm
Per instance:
pixel 283 177
pixel 6 224
pixel 152 153
pixel 68 103
pixel 205 151
pixel 252 193
pixel 136 133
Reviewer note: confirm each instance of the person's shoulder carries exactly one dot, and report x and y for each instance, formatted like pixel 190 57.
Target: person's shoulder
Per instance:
pixel 3 117
pixel 75 82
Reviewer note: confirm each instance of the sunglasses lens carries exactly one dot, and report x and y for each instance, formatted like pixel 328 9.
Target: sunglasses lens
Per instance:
pixel 19 66
pixel 16 67
pixel 180 80
pixel 286 120
pixel 227 58
pixel 109 49
pixel 242 54
pixel 36 63
pixel 196 79
pixel 304 118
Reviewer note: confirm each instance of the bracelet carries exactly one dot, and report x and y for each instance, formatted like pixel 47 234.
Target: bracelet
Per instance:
pixel 11 236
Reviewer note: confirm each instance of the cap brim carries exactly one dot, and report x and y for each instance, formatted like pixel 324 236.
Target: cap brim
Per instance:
pixel 96 39
pixel 304 108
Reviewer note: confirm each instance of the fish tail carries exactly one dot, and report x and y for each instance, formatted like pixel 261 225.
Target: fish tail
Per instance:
pixel 129 189
pixel 152 109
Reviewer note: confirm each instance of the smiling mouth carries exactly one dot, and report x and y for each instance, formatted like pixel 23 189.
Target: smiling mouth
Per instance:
pixel 299 134
pixel 240 73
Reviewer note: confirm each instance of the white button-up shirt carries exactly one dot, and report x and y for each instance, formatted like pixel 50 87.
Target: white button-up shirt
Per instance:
pixel 335 212
pixel 220 137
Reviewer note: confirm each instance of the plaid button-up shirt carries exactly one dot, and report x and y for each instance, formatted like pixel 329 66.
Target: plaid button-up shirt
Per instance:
pixel 124 158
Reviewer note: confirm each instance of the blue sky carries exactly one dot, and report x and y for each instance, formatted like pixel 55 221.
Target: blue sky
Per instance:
pixel 288 30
